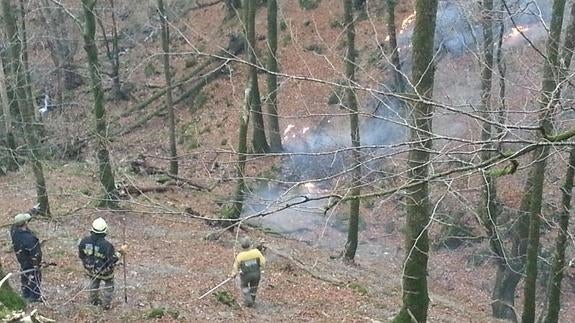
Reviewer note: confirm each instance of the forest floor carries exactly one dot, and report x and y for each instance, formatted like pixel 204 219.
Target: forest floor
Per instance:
pixel 170 264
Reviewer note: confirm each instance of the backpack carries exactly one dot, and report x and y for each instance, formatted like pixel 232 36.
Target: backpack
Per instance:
pixel 250 266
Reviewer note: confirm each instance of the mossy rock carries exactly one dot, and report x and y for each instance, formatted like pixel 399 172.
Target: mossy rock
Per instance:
pixel 225 297
pixel 359 288
pixel 158 313
pixel 9 299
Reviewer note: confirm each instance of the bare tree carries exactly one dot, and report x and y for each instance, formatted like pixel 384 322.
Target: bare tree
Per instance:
pixel 102 154
pixel 559 263
pixel 272 79
pixel 168 78
pixel 550 94
pixel 10 162
pixel 393 50
pixel 239 195
pixel 63 48
pixel 113 54
pixel 487 209
pixel 415 294
pixel 351 105
pixel 25 104
pixel 259 141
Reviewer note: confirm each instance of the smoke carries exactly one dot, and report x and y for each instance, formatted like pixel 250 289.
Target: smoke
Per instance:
pixel 458 27
pixel 319 156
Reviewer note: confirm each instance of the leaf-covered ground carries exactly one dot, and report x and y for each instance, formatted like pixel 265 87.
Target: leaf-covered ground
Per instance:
pixel 170 263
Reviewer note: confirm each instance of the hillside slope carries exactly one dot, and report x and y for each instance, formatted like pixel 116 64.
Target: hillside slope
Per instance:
pixel 169 262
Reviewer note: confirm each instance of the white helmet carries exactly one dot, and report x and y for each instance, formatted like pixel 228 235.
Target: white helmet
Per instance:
pixel 99 226
pixel 22 218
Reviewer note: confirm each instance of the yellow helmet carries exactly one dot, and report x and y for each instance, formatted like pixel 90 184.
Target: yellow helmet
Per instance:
pixel 99 226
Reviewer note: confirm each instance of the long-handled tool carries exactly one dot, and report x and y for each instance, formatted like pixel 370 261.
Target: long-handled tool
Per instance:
pixel 42 265
pixel 124 262
pixel 217 286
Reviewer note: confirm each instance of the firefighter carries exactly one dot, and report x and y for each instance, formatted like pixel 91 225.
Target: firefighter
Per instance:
pixel 29 254
pixel 248 264
pixel 99 259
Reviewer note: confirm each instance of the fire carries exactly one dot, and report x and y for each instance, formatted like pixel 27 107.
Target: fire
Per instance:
pixel 288 129
pixel 311 188
pixel 407 21
pixel 516 32
pixel 288 133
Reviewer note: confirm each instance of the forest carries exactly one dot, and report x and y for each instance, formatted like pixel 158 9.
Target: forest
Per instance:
pixel 393 160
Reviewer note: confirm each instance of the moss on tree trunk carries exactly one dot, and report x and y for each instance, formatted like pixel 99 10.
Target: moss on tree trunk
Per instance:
pixel 415 293
pixel 103 156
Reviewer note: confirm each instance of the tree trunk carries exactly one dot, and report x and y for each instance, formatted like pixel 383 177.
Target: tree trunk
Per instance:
pixel 272 80
pixel 117 92
pixel 415 293
pixel 232 7
pixel 103 156
pixel 62 48
pixel 557 271
pixel 113 55
pixel 38 125
pixel 501 70
pixel 242 152
pixel 394 52
pixel 487 210
pixel 23 32
pixel 550 95
pixel 259 141
pixel 558 267
pixel 351 105
pixel 168 77
pixel 11 162
pixel 25 104
pixel 503 296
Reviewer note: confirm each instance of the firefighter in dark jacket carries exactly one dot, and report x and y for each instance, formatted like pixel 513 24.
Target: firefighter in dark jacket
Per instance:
pixel 99 259
pixel 248 264
pixel 29 254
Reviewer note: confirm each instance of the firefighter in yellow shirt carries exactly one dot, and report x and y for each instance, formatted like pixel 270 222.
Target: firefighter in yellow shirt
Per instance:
pixel 248 264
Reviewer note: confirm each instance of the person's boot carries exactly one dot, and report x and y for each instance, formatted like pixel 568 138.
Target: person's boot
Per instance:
pixel 248 301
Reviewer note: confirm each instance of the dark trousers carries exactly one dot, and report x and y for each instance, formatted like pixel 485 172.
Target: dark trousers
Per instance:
pixel 107 291
pixel 249 284
pixel 30 285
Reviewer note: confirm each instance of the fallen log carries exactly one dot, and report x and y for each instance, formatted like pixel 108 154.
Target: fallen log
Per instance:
pixel 133 190
pixel 199 187
pixel 139 166
pixel 235 47
pixel 305 268
pixel 190 78
pixel 202 81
